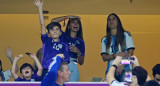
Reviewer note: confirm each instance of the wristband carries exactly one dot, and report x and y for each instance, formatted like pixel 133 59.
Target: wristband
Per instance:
pixel 115 66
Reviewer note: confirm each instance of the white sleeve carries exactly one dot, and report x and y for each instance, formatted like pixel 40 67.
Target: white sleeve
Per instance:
pixel 7 75
pixel 103 46
pixel 129 41
pixel 117 83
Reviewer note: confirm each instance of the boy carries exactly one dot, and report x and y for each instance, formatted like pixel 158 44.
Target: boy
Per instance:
pixel 51 44
pixel 26 70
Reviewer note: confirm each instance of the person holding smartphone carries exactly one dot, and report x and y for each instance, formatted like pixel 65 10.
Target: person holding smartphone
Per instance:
pixel 138 77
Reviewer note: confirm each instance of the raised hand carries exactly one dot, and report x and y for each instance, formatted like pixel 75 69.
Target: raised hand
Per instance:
pixel 9 53
pixel 117 60
pixel 38 3
pixel 135 61
pixel 33 56
pixel 119 69
pixel 18 57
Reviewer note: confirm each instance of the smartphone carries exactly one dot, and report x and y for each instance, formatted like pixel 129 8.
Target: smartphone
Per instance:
pixel 125 61
pixel 128 77
pixel 131 58
pixel 28 53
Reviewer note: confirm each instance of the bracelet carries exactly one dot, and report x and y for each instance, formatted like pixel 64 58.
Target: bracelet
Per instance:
pixel 115 66
pixel 114 55
pixel 64 21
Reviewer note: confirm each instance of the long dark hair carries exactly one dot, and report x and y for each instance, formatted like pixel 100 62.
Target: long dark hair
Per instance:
pixel 79 33
pixel 119 37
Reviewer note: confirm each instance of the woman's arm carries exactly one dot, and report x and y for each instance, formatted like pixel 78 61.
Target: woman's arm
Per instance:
pixel 112 56
pixel 73 48
pixel 59 19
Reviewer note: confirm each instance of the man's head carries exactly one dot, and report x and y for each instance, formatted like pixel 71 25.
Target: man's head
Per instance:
pixel 151 83
pixel 63 71
pixel 139 75
pixel 54 30
pixel 156 72
pixel 26 70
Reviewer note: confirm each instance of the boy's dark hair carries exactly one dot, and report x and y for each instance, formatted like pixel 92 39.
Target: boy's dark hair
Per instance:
pixel 141 74
pixel 151 83
pixel 156 70
pixel 26 65
pixel 61 66
pixel 53 24
pixel 1 66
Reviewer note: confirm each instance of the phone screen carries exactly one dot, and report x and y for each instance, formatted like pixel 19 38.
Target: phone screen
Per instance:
pixel 125 61
pixel 128 77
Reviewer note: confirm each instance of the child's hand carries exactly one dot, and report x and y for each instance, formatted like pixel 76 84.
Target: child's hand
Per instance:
pixel 38 3
pixel 18 57
pixel 61 55
pixel 33 56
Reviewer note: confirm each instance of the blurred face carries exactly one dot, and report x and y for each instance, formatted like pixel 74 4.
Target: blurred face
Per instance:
pixel 27 72
pixel 157 77
pixel 1 79
pixel 74 26
pixel 112 22
pixel 66 73
pixel 55 32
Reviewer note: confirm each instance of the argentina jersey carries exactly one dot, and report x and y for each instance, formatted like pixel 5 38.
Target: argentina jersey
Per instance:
pixel 51 49
pixel 129 44
pixel 128 41
pixel 79 43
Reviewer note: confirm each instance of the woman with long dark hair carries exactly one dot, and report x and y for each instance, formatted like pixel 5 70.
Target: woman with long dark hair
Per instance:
pixel 117 42
pixel 73 36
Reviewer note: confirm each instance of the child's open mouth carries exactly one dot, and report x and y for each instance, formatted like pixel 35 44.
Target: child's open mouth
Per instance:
pixel 26 72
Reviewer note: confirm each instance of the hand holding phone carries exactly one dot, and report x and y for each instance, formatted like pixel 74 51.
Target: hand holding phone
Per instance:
pixel 28 53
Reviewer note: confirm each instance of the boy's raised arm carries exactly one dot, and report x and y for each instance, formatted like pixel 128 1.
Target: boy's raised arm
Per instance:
pixel 39 4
